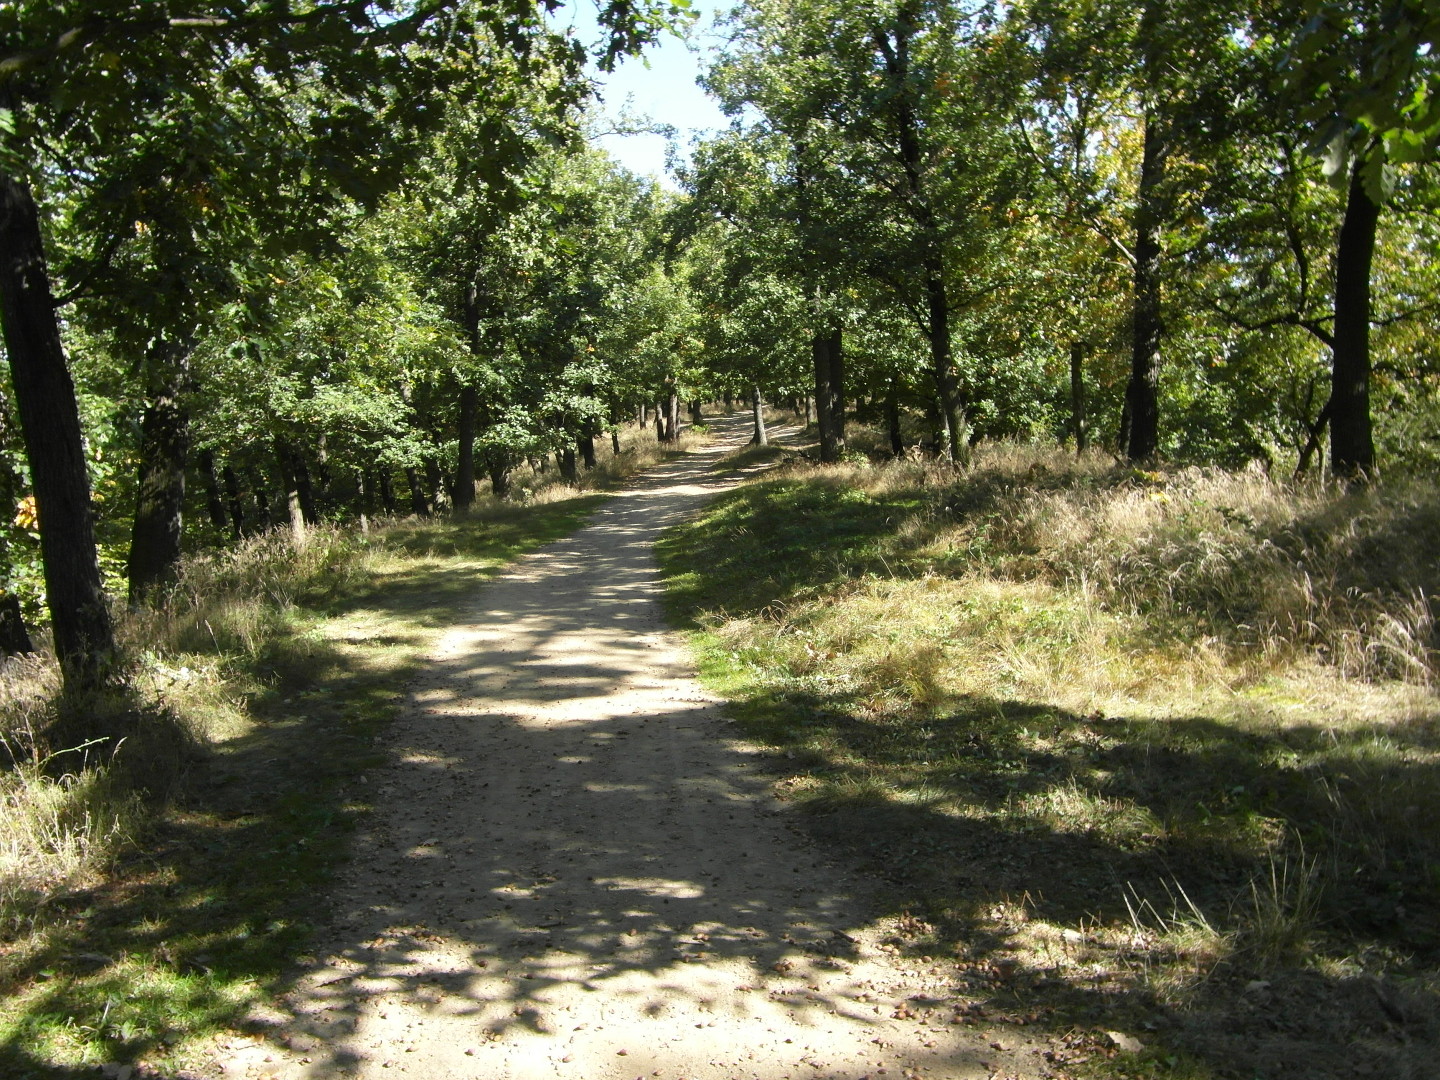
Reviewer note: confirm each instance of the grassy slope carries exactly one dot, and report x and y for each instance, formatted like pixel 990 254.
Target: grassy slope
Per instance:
pixel 289 669
pixel 1112 800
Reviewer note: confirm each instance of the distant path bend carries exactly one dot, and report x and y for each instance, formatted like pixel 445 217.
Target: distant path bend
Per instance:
pixel 574 868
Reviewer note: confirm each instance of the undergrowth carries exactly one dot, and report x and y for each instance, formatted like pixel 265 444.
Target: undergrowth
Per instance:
pixel 153 893
pixel 1144 739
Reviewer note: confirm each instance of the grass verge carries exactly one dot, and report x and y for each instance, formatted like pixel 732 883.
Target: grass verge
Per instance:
pixel 1138 751
pixel 146 910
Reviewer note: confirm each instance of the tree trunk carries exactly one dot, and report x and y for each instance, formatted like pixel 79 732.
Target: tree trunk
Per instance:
pixel 262 500
pixel 232 495
pixel 567 464
pixel 696 417
pixel 659 423
pixel 892 421
pixel 419 505
pixel 14 638
pixel 757 410
pixel 1142 394
pixel 50 422
pixel 499 468
pixel 586 445
pixel 1352 447
pixel 385 485
pixel 214 503
pixel 435 485
pixel 364 496
pixel 671 406
pixel 463 496
pixel 158 526
pixel 294 506
pixel 829 363
pixel 320 492
pixel 1078 423
pixel 729 402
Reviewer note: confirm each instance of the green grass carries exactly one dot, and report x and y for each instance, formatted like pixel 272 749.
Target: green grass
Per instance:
pixel 1055 748
pixel 285 667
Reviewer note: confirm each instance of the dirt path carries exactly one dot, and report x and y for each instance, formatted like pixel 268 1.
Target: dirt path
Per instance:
pixel 575 870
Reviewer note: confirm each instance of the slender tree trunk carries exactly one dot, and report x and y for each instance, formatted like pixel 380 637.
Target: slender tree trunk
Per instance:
pixel 671 405
pixel 1078 349
pixel 951 400
pixel 757 411
pixel 364 497
pixel 320 492
pixel 463 496
pixel 435 485
pixel 1142 394
pixel 304 487
pixel 158 525
pixel 892 421
pixel 262 500
pixel 1352 447
pixel 14 638
pixel 385 485
pixel 210 481
pixel 659 423
pixel 232 496
pixel 419 505
pixel 586 446
pixel 829 366
pixel 499 468
pixel 567 464
pixel 294 508
pixel 50 422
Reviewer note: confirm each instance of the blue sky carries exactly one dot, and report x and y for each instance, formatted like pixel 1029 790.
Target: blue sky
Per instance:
pixel 665 91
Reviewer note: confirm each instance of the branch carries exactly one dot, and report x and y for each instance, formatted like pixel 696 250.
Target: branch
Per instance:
pixel 1049 169
pixel 1290 318
pixel 102 260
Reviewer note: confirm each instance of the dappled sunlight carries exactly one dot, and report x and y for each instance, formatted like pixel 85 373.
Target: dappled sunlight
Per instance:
pixel 574 870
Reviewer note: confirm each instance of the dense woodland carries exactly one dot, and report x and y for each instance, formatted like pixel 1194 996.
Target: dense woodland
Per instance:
pixel 268 264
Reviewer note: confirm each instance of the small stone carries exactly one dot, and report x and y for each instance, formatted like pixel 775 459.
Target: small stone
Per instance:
pixel 1127 1044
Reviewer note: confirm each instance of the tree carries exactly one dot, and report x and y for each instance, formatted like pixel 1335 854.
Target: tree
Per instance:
pixel 1369 79
pixel 81 83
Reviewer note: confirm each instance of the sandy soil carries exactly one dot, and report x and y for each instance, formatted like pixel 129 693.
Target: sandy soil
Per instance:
pixel 575 868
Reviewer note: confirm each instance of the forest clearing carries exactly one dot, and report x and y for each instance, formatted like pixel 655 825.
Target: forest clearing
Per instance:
pixel 942 581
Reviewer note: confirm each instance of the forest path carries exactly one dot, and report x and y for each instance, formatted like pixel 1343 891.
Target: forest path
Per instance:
pixel 574 868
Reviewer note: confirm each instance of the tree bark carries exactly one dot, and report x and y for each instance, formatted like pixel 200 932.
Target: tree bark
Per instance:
pixel 1352 446
pixel 829 366
pixel 419 505
pixel 757 410
pixel 659 423
pixel 14 638
pixel 262 500
pixel 385 485
pixel 567 464
pixel 670 403
pixel 892 421
pixel 435 485
pixel 294 507
pixel 365 496
pixel 1078 422
pixel 463 496
pixel 210 480
pixel 50 422
pixel 1142 393
pixel 158 526
pixel 232 495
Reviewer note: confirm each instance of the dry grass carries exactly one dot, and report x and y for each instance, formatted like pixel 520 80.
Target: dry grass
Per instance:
pixel 1188 719
pixel 132 877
